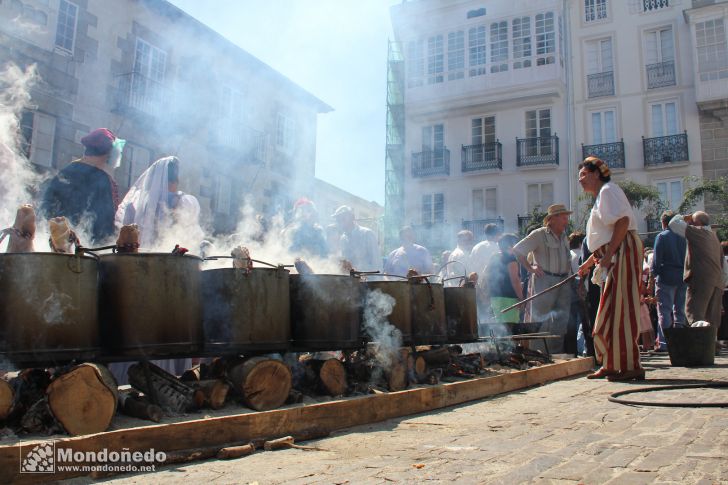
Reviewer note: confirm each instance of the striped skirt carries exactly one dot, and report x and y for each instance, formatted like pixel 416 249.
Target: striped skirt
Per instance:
pixel 616 329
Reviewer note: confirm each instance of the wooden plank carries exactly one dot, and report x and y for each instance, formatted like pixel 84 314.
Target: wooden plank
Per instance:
pixel 329 416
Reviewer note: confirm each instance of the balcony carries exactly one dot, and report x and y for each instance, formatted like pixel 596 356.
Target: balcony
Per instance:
pixel 600 84
pixel 665 149
pixel 488 156
pixel 477 226
pixel 523 223
pixel 654 224
pixel 660 74
pixel 431 162
pixel 142 94
pixel 612 153
pixel 436 237
pixel 534 152
pixel 651 5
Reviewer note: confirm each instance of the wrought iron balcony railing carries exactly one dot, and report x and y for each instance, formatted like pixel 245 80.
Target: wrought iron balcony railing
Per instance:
pixel 142 94
pixel 523 222
pixel 477 226
pixel 649 5
pixel 485 156
pixel 665 149
pixel 431 162
pixel 653 224
pixel 612 153
pixel 542 150
pixel 660 74
pixel 600 84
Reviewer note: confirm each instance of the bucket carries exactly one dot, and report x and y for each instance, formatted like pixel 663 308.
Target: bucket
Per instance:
pixel 691 346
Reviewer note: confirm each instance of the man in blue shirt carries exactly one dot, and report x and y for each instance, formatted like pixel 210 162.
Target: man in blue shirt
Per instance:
pixel 408 256
pixel 668 262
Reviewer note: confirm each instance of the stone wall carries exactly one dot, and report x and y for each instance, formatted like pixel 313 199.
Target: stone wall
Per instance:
pixel 714 141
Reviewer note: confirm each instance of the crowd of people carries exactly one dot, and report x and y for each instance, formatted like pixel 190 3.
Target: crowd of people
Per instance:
pixel 620 294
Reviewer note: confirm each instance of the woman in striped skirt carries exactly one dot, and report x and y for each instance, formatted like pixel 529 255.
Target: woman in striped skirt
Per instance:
pixel 617 252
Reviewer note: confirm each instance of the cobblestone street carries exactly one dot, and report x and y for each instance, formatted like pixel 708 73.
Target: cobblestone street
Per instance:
pixel 563 432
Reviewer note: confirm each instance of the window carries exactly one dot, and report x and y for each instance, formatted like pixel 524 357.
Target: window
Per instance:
pixel 671 193
pixel 455 55
pixel 603 127
pixel 149 61
pixel 659 45
pixel 483 130
pixel 599 56
pixel 538 132
pixel 499 46
pixel 485 203
pixel 712 50
pixel 545 38
pixel 521 33
pixel 595 10
pixel 222 204
pixel 285 132
pixel 664 118
pixel 476 50
pixel 433 208
pixel 38 132
pixel 435 60
pixel 433 140
pixel 66 26
pixel 138 159
pixel 415 63
pixel 539 196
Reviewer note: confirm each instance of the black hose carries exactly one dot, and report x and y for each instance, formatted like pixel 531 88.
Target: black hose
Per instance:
pixel 712 385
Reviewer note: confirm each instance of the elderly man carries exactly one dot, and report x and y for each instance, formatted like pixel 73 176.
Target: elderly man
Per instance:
pixel 408 256
pixel 703 267
pixel 549 246
pixel 85 189
pixel 666 270
pixel 358 244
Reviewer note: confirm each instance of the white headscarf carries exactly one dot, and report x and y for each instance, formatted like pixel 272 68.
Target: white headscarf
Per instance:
pixel 146 205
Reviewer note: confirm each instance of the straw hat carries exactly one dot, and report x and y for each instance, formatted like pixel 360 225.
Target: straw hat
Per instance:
pixel 555 210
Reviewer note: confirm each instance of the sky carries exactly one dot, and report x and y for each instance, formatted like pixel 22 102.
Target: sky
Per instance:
pixel 336 50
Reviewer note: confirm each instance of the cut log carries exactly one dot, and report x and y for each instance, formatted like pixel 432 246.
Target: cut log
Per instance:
pixel 137 406
pixel 211 393
pixel 262 383
pixel 38 419
pixel 393 376
pixel 420 368
pixel 328 376
pixel 277 444
pixel 83 400
pixel 437 357
pixel 192 375
pixel 7 398
pixel 170 393
pixel 396 376
pixel 231 452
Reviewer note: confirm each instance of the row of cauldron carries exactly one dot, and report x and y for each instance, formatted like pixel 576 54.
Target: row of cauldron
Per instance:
pixel 119 307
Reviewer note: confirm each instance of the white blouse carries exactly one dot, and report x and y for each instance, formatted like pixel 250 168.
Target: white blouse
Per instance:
pixel 610 206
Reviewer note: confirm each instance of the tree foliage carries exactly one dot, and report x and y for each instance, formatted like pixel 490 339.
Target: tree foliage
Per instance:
pixel 716 189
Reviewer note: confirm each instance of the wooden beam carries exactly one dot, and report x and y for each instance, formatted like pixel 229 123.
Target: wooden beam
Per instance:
pixel 329 416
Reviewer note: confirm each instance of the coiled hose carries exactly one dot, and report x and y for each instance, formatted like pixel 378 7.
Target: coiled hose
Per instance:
pixel 615 397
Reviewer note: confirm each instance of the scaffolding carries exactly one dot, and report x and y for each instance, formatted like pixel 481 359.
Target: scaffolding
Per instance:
pixel 394 166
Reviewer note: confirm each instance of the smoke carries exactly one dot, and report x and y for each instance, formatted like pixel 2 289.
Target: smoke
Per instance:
pixel 388 339
pixel 54 308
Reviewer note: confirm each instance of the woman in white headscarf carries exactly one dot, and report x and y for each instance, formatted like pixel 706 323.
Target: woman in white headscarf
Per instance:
pixel 165 216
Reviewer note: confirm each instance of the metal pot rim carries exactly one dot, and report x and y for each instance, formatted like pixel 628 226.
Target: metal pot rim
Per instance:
pixel 150 255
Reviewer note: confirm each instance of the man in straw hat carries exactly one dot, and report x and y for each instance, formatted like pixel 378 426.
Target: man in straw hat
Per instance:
pixel 549 247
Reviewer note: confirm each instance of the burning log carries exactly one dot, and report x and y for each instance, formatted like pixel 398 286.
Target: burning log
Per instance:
pixel 162 387
pixel 62 238
pixel 21 234
pixel 379 371
pixel 262 383
pixel 211 393
pixel 29 387
pixel 327 376
pixel 83 400
pixel 128 240
pixel 136 406
pixel 7 398
pixel 437 357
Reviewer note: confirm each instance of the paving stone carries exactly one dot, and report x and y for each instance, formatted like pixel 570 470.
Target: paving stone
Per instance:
pixel 574 469
pixel 622 457
pixel 633 478
pixel 660 458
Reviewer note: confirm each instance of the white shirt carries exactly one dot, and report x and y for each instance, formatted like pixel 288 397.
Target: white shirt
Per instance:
pixel 480 256
pixel 455 270
pixel 361 249
pixel 610 206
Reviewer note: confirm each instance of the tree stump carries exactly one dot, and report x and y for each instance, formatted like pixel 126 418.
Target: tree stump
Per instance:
pixel 7 397
pixel 83 400
pixel 262 383
pixel 327 375
pixel 420 368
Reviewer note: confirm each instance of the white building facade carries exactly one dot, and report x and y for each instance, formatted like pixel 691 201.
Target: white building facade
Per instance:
pixel 504 98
